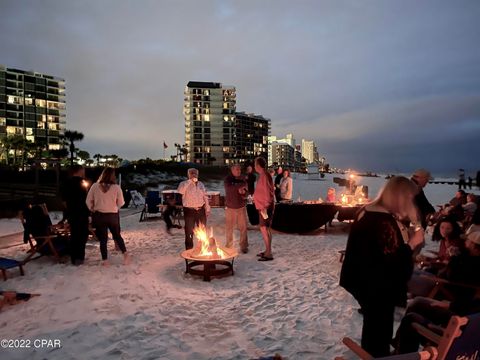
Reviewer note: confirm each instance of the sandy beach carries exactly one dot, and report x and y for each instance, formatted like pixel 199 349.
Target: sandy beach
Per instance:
pixel 151 309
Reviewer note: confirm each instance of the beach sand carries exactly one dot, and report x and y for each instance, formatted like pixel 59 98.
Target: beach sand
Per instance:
pixel 151 309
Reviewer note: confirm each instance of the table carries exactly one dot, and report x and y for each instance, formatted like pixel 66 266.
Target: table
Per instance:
pixel 297 217
pixel 347 213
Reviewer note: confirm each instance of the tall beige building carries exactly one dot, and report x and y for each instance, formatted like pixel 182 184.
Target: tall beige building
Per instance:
pixel 309 151
pixel 209 112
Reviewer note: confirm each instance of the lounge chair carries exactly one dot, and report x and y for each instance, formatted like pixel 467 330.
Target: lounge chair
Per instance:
pixel 459 340
pixel 152 206
pixel 6 263
pixel 40 235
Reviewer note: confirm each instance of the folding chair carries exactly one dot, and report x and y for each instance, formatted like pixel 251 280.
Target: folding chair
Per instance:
pixel 137 199
pixel 38 233
pixel 152 205
pixel 6 264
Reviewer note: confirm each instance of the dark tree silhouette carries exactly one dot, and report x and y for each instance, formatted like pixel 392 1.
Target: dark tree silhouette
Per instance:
pixel 73 136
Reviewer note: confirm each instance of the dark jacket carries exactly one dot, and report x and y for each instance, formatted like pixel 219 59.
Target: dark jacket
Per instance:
pixel 463 269
pixel 423 205
pixel 233 199
pixel 74 194
pixel 251 179
pixel 378 263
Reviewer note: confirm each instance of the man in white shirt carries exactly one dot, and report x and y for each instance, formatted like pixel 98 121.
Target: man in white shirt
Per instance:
pixel 195 205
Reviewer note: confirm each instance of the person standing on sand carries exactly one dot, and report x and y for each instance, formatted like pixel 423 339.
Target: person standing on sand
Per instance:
pixel 196 208
pixel 421 177
pixel 286 186
pixel 264 203
pixel 104 199
pixel 278 179
pixel 74 196
pixel 461 179
pixel 379 260
pixel 251 179
pixel 235 211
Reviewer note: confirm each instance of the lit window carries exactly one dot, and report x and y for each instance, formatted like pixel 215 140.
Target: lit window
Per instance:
pixel 52 126
pixel 206 117
pixel 14 100
pixel 29 131
pixel 53 146
pixel 225 105
pixel 40 125
pixel 225 118
pixel 30 138
pixel 40 103
pixel 3 121
pixel 28 101
pixel 12 130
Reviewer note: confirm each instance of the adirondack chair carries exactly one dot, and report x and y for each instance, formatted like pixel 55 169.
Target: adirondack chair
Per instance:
pixel 40 235
pixel 459 340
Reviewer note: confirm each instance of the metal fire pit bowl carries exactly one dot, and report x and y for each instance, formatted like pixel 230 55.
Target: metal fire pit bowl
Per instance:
pixel 207 267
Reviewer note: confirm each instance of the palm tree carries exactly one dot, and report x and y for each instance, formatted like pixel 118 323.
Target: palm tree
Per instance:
pixel 17 144
pixel 83 155
pixel 97 157
pixel 6 145
pixel 72 136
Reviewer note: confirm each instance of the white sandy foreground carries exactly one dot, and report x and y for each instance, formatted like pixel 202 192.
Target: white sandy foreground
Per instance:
pixel 152 310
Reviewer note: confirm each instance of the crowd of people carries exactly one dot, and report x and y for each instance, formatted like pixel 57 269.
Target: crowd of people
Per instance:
pixel 383 265
pixel 238 189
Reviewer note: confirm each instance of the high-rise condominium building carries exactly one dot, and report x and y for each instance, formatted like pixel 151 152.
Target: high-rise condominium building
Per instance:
pixel 32 105
pixel 288 139
pixel 282 154
pixel 251 136
pixel 309 151
pixel 209 112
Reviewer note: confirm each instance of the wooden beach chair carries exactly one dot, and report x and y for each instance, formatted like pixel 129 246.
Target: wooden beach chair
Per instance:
pixel 459 340
pixel 40 234
pixel 445 289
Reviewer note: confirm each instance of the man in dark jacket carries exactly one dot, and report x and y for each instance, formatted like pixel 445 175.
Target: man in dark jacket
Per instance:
pixel 74 195
pixel 421 178
pixel 235 211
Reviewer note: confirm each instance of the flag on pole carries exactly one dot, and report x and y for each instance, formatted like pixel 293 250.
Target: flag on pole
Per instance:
pixel 165 145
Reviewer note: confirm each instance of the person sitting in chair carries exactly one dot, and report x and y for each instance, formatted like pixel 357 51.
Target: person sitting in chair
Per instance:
pixel 461 269
pixel 170 210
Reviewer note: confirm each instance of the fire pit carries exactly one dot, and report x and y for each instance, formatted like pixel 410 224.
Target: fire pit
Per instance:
pixel 207 258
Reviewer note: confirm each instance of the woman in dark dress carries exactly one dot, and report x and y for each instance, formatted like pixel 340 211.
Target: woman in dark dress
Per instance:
pixel 379 260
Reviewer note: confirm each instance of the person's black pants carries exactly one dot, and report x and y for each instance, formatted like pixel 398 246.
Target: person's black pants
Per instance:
pixel 78 237
pixel 104 222
pixel 423 312
pixel 377 328
pixel 167 216
pixel 192 218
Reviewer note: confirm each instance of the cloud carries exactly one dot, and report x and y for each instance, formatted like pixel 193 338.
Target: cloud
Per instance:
pixel 354 71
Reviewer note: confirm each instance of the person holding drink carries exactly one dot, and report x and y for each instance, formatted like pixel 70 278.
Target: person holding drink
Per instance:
pixel 195 205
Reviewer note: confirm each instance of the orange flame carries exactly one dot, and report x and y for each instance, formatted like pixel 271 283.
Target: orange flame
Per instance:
pixel 206 246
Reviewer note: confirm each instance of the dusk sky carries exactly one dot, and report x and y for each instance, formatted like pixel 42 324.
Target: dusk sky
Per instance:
pixel 379 85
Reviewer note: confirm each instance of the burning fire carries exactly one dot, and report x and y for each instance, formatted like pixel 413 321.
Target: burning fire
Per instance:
pixel 206 246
